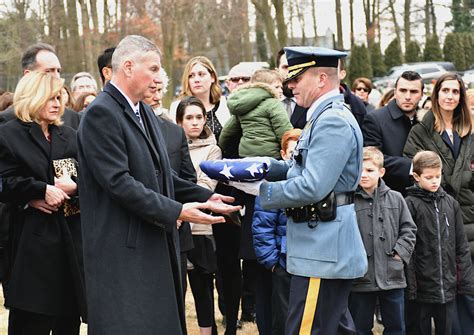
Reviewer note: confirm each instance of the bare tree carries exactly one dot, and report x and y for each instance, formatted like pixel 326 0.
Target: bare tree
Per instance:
pixel 391 6
pixel 313 14
pixel 427 19
pixel 263 8
pixel 340 42
pixel 369 21
pixel 300 10
pixel 280 22
pixel 87 50
pixel 407 23
pixel 351 14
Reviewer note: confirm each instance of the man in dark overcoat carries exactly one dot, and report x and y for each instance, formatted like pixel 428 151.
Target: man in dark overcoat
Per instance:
pixel 388 127
pixel 127 191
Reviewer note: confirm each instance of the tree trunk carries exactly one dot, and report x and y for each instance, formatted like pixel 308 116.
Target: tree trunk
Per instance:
pixel 369 23
pixel 313 14
pixel 263 8
pixel 427 19
pixel 74 38
pixel 394 20
pixel 433 18
pixel 280 23
pixel 247 51
pixel 234 40
pixel 86 38
pixel 168 19
pixel 407 23
pixel 351 13
pixel 340 42
pixel 123 18
pixel 300 14
pixel 260 38
pixel 292 31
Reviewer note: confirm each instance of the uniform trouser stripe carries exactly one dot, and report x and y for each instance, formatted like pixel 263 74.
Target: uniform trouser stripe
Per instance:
pixel 310 306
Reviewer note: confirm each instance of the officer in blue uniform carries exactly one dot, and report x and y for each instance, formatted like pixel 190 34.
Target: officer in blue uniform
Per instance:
pixel 324 247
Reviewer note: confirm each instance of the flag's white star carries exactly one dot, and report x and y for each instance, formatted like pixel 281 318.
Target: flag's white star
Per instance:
pixel 226 171
pixel 253 169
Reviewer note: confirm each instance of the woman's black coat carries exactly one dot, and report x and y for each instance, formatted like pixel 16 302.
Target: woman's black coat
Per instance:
pixel 46 273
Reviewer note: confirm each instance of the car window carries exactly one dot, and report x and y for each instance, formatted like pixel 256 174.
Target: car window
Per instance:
pixel 428 70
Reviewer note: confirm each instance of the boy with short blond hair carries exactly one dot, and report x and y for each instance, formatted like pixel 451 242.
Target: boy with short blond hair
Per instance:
pixel 388 233
pixel 441 263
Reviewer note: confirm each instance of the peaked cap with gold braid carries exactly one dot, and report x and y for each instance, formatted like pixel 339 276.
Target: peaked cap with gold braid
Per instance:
pixel 302 58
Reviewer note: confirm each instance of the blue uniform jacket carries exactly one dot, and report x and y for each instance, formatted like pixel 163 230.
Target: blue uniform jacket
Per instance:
pixel 269 235
pixel 331 150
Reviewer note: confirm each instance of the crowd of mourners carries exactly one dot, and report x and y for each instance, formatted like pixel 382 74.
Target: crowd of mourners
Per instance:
pixel 414 203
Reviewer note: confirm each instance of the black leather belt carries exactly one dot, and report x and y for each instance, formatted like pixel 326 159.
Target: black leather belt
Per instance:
pixel 325 210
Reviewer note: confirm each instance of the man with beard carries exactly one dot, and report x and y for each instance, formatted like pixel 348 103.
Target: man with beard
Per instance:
pixel 388 127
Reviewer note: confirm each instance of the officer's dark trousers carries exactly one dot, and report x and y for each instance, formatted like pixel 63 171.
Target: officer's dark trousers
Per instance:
pixel 319 307
pixel 27 323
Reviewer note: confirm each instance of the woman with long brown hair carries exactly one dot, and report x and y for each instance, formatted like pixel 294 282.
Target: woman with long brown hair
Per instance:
pixel 446 130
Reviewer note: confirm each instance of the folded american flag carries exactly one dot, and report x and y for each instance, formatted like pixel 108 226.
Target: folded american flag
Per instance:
pixel 245 169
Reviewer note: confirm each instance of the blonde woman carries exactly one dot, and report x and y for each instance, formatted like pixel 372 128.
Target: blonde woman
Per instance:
pixel 44 289
pixel 200 80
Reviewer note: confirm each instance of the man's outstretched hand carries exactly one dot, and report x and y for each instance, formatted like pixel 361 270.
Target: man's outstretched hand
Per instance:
pixel 217 203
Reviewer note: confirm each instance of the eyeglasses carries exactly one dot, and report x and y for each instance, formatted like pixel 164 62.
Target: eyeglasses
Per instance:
pixel 237 79
pixel 362 89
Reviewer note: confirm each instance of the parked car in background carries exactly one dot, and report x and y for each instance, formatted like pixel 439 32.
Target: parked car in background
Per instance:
pixel 468 78
pixel 429 71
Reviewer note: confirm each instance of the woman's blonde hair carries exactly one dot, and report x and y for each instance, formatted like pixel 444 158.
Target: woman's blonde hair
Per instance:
pixel 461 117
pixel 216 91
pixel 32 93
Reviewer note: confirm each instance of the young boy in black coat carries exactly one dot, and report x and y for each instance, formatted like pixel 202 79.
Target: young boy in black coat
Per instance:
pixel 441 263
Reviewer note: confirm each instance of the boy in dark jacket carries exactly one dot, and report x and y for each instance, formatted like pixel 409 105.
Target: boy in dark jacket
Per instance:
pixel 388 232
pixel 441 263
pixel 269 240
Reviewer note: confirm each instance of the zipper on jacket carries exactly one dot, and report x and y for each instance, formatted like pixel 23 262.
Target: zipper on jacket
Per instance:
pixel 447 224
pixel 439 251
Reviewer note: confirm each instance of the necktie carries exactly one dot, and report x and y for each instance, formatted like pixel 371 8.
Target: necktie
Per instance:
pixel 137 113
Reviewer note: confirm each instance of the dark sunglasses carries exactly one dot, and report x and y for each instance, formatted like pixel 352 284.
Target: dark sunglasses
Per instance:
pixel 362 89
pixel 237 79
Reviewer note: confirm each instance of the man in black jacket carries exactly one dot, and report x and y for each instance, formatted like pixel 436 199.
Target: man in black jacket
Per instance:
pixel 42 57
pixel 388 127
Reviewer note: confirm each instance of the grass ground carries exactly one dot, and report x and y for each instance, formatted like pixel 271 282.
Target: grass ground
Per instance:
pixel 193 329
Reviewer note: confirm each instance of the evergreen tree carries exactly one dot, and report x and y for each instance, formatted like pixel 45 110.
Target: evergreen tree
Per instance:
pixel 393 54
pixel 376 59
pixel 412 53
pixel 449 47
pixel 462 18
pixel 468 41
pixel 459 59
pixel 432 50
pixel 359 65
